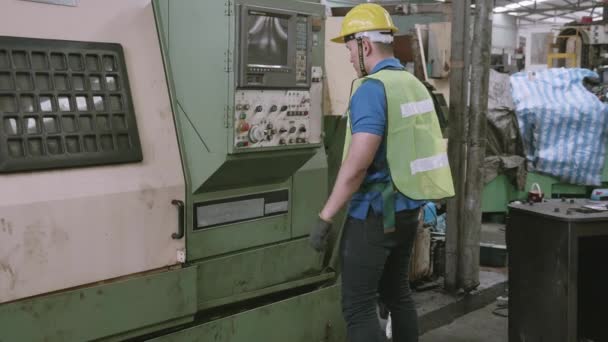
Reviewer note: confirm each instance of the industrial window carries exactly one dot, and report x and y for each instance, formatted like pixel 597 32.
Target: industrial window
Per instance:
pixel 64 104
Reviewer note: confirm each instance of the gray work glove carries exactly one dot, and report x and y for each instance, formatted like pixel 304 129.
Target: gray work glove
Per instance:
pixel 319 235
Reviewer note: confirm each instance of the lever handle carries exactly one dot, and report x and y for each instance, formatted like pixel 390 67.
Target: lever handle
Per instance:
pixel 182 214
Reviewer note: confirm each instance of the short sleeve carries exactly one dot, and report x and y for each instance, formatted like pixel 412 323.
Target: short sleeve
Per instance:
pixel 368 108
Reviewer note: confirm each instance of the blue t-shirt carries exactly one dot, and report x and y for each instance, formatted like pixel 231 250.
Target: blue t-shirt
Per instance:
pixel 368 115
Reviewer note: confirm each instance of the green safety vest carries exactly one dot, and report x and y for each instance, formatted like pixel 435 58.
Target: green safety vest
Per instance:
pixel 415 150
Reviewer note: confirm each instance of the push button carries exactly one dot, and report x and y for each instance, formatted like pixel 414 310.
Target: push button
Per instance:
pixel 243 127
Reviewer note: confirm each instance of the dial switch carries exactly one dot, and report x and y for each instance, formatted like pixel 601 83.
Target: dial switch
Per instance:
pixel 256 134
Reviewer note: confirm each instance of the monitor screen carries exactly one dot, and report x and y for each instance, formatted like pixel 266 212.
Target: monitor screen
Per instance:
pixel 267 39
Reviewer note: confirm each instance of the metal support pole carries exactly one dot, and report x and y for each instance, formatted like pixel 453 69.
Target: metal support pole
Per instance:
pixel 459 95
pixel 468 276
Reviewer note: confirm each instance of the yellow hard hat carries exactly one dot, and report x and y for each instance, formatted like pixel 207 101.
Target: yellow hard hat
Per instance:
pixel 365 17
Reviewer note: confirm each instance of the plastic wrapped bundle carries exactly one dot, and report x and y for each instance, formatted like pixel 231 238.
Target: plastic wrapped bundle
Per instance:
pixel 563 125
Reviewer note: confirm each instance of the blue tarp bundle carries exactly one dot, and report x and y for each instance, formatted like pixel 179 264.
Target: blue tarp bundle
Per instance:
pixel 563 125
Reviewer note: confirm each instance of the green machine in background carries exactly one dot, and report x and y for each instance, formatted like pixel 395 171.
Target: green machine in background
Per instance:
pixel 499 192
pixel 227 97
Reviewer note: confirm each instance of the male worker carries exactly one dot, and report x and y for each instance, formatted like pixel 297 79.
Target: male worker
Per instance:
pixel 394 159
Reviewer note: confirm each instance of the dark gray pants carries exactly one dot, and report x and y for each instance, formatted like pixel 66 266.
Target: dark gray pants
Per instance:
pixel 377 263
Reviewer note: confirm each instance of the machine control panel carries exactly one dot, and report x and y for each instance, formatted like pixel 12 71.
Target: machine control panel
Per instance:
pixel 271 118
pixel 302 49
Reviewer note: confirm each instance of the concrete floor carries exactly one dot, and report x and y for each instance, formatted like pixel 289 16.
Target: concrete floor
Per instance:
pixel 493 233
pixel 477 326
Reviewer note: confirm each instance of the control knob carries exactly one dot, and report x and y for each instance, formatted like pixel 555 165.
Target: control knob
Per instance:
pixel 256 134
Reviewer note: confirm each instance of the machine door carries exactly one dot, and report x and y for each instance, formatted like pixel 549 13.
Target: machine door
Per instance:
pixel 89 163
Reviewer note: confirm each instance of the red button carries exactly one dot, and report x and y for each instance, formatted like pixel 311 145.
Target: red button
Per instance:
pixel 244 127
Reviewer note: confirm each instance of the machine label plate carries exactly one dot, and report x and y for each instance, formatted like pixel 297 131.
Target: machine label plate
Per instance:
pixel 238 209
pixel 72 3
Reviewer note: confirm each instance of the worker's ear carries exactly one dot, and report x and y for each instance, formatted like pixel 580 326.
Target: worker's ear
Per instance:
pixel 367 47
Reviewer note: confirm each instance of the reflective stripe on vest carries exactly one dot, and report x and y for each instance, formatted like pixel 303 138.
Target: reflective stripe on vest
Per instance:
pixel 431 163
pixel 417 108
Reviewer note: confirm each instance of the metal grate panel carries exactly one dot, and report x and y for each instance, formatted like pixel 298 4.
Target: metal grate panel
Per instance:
pixel 64 104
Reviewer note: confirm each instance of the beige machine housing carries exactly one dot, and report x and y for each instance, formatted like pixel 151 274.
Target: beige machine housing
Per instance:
pixel 69 227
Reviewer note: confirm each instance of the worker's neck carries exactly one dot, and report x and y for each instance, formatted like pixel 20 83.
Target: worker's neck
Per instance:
pixel 373 60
